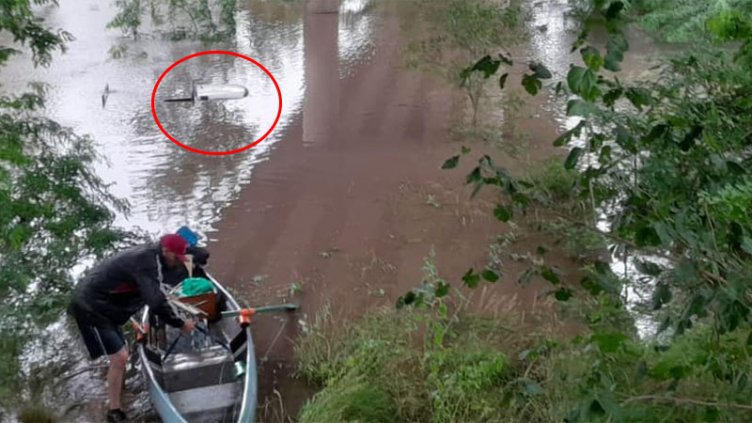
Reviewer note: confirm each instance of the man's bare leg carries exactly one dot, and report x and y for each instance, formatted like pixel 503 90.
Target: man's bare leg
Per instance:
pixel 116 377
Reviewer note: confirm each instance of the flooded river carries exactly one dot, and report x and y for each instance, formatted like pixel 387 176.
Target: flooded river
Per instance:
pixel 166 185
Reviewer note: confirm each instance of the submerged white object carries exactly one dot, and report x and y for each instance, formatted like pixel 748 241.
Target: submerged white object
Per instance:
pixel 214 92
pixel 219 92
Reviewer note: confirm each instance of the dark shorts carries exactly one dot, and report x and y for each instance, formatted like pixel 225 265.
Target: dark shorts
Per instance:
pixel 101 341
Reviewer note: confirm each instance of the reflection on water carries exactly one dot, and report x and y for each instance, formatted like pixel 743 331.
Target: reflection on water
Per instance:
pixel 166 185
pixel 356 28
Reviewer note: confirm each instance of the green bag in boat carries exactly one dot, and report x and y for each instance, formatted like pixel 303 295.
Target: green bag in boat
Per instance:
pixel 196 286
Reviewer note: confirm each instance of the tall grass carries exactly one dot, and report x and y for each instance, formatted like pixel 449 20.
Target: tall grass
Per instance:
pixel 386 367
pixel 407 365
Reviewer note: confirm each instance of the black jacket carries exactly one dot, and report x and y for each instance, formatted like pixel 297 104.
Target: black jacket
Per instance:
pixel 118 287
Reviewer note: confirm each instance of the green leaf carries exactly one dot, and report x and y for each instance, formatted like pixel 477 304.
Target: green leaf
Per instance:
pixel 732 315
pixel 692 135
pixel 602 268
pixel 575 78
pixel 662 231
pixel 451 163
pixel 611 407
pixel 573 157
pixel 490 275
pixel 540 71
pixel 613 10
pixel 406 300
pixel 609 342
pixel 568 135
pixel 593 408
pixel 625 140
pixel 487 66
pixel 647 237
pixel 661 295
pixel 503 80
pixel 471 279
pixel 616 46
pixel 605 155
pixel 592 58
pixel 578 108
pixel 506 60
pixel 442 289
pixel 609 99
pixel 474 175
pixel 735 167
pixel 502 213
pixel 639 97
pixel 465 150
pixel 563 294
pixel 532 84
pixel 648 267
pixel 659 131
pixel 583 82
pixel 550 274
pixel 591 285
pixel 541 250
pixel 521 199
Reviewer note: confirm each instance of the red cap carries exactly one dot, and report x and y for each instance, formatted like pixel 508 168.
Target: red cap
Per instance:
pixel 176 244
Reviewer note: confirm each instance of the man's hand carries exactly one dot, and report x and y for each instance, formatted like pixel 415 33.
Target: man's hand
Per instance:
pixel 188 326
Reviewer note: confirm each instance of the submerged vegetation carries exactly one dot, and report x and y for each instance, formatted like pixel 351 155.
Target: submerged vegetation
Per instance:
pixel 449 33
pixel 177 19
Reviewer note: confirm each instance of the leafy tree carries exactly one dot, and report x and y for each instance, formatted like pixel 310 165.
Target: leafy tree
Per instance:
pixel 682 21
pixel 55 211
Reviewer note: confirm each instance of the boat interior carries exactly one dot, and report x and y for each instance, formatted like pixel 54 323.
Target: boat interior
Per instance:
pixel 202 373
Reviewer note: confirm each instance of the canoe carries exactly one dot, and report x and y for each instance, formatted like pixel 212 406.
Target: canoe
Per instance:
pixel 200 378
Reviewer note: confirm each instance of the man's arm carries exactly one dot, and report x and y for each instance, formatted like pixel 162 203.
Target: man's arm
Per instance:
pixel 148 285
pixel 200 255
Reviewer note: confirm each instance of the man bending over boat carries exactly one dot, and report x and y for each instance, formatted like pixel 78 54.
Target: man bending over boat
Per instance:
pixel 116 289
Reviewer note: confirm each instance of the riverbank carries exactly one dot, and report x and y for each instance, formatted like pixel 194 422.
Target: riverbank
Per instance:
pixel 354 200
